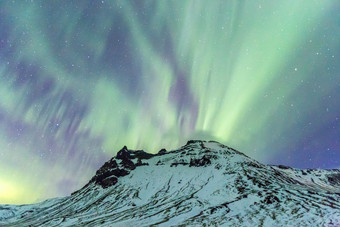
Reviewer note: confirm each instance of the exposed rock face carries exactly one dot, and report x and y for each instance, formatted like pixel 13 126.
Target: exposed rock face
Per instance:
pixel 201 183
pixel 106 175
pixel 119 166
pixel 204 161
pixel 108 181
pixel 271 199
pixel 123 154
pixel 334 179
pixel 140 163
pixel 162 151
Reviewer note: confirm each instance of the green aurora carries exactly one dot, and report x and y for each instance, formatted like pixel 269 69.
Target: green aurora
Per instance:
pixel 81 79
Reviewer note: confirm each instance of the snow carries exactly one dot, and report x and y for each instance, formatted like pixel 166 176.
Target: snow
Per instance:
pixel 230 190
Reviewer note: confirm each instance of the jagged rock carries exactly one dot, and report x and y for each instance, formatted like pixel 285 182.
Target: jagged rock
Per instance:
pixel 162 151
pixel 283 167
pixel 253 164
pixel 271 199
pixel 107 165
pixel 128 164
pixel 204 161
pixel 110 181
pixel 103 177
pixel 193 142
pixel 141 154
pixel 119 172
pixel 334 179
pixel 140 163
pixel 109 173
pixel 225 188
pixel 123 154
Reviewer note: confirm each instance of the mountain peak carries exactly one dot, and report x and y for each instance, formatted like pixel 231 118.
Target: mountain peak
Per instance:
pixel 195 153
pixel 201 183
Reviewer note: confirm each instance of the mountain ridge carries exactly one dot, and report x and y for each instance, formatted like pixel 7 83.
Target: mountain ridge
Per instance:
pixel 201 183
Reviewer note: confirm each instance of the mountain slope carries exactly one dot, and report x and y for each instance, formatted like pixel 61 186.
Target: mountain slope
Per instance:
pixel 200 183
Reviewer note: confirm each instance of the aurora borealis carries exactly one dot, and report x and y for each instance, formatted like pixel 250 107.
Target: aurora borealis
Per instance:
pixel 81 79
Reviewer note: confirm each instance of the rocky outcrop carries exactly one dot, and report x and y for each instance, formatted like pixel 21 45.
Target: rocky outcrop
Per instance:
pixel 334 179
pixel 120 166
pixel 204 161
pixel 162 151
pixel 200 184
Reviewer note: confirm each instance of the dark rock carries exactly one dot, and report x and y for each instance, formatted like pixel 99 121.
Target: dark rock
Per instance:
pixel 109 173
pixel 334 179
pixel 109 177
pixel 283 167
pixel 204 161
pixel 107 182
pixel 253 164
pixel 107 166
pixel 162 151
pixel 127 163
pixel 123 154
pixel 206 151
pixel 179 163
pixel 119 172
pixel 218 166
pixel 141 155
pixel 198 143
pixel 240 189
pixel 271 199
pixel 193 141
pixel 159 163
pixel 113 172
pixel 140 163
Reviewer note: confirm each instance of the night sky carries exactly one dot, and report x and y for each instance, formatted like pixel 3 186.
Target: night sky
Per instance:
pixel 81 79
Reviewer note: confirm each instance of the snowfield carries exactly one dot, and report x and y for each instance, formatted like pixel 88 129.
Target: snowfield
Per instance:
pixel 201 184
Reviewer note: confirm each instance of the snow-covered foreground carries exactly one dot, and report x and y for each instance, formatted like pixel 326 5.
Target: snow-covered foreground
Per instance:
pixel 200 184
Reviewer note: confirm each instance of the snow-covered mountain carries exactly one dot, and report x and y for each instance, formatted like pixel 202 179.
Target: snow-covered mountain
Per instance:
pixel 201 184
